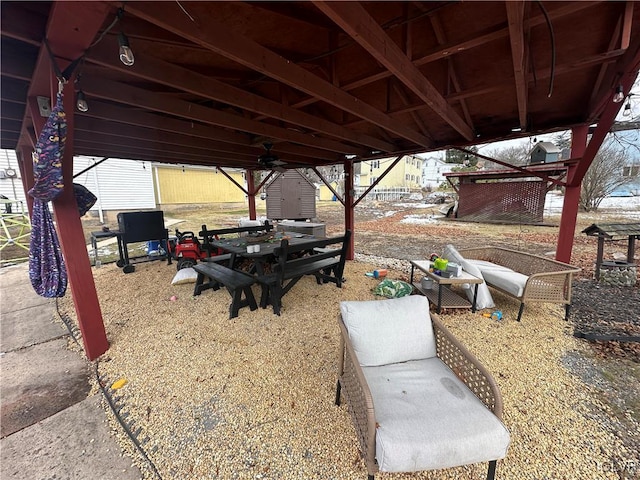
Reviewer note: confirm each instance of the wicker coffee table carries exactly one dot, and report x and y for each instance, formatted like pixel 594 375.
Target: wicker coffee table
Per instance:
pixel 444 297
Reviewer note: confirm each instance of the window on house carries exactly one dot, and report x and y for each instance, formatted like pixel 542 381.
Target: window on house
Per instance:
pixel 631 171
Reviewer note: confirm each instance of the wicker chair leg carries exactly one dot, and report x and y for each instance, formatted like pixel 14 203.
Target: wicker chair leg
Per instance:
pixel 338 390
pixel 520 311
pixel 567 311
pixel 491 474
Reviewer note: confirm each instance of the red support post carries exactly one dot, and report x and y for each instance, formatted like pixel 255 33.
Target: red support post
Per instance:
pixel 571 198
pixel 349 207
pixel 74 249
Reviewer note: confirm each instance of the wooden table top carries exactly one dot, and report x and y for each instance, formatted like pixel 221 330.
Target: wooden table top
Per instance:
pixel 238 245
pixel 426 265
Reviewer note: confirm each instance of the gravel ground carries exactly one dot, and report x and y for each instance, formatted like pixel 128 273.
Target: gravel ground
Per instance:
pixel 252 397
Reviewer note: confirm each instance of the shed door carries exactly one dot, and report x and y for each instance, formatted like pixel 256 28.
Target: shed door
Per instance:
pixel 292 193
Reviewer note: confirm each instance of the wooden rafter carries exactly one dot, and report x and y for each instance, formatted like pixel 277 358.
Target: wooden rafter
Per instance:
pixel 128 95
pixel 515 15
pixel 474 40
pixel 188 129
pixel 356 21
pixel 223 40
pixel 441 38
pixel 157 70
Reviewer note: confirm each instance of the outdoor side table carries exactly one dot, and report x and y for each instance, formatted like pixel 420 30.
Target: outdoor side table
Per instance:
pixel 444 296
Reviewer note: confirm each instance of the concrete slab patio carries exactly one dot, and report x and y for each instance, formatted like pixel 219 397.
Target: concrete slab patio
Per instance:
pixel 49 427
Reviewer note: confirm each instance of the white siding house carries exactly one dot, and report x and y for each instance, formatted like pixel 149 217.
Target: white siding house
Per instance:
pixel 433 170
pixel 118 184
pixel 11 187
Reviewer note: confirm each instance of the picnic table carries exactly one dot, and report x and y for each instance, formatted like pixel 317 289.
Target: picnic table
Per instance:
pixel 267 243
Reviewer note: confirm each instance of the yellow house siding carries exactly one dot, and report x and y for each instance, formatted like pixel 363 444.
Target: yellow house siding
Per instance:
pixel 198 186
pixel 406 173
pixel 325 193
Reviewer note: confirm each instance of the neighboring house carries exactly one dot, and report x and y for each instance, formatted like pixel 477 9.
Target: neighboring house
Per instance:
pixel 433 171
pixel 10 180
pixel 122 185
pixel 325 194
pixel 118 184
pixel 406 174
pixel 195 185
pixel 631 169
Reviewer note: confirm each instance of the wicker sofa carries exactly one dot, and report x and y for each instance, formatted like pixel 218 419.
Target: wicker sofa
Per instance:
pixel 524 276
pixel 418 399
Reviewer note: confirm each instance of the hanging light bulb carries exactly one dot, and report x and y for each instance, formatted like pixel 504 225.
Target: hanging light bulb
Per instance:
pixel 619 96
pixel 126 54
pixel 627 109
pixel 81 102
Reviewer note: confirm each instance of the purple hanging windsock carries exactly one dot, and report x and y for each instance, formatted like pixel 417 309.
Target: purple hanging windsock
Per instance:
pixel 47 270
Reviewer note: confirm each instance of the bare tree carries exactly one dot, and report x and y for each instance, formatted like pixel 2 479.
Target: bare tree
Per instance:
pixel 606 173
pixel 514 155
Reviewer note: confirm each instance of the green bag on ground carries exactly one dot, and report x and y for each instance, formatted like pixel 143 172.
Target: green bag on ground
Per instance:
pixel 392 288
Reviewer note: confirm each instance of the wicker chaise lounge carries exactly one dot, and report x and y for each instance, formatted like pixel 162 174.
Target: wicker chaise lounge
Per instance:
pixel 418 399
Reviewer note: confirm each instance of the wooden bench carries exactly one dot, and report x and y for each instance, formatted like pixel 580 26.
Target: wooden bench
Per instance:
pixel 296 261
pixel 235 281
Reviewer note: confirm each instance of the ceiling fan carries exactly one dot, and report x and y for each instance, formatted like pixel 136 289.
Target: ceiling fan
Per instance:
pixel 270 160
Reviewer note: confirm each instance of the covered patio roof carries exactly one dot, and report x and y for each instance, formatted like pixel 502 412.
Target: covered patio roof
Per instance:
pixel 324 82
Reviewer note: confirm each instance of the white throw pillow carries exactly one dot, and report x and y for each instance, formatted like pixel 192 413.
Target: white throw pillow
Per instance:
pixel 389 331
pixel 484 298
pixel 185 275
pixel 451 253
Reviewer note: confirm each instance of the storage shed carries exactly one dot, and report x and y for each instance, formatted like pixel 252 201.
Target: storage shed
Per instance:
pixel 506 195
pixel 292 196
pixel 545 152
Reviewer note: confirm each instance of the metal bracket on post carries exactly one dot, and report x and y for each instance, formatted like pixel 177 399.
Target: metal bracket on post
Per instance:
pixel 44 105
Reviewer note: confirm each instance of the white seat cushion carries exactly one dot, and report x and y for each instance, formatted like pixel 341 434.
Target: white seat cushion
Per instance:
pixel 484 298
pixel 389 331
pixel 428 419
pixel 502 277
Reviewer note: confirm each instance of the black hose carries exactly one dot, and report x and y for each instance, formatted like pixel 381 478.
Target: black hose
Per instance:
pixel 106 394
pixel 553 46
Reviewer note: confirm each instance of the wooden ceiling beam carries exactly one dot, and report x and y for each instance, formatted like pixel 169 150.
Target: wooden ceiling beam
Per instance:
pixel 474 40
pixel 14 66
pixel 98 127
pixel 88 148
pixel 31 32
pixel 157 70
pixel 69 31
pixel 94 86
pixel 356 22
pixel 227 42
pixel 163 139
pixel 188 129
pixel 441 38
pixel 515 16
pixel 414 114
pixel 603 68
pixel 151 146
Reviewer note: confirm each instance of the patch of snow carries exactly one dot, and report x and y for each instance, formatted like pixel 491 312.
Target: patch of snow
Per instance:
pixel 419 219
pixel 390 213
pixel 627 206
